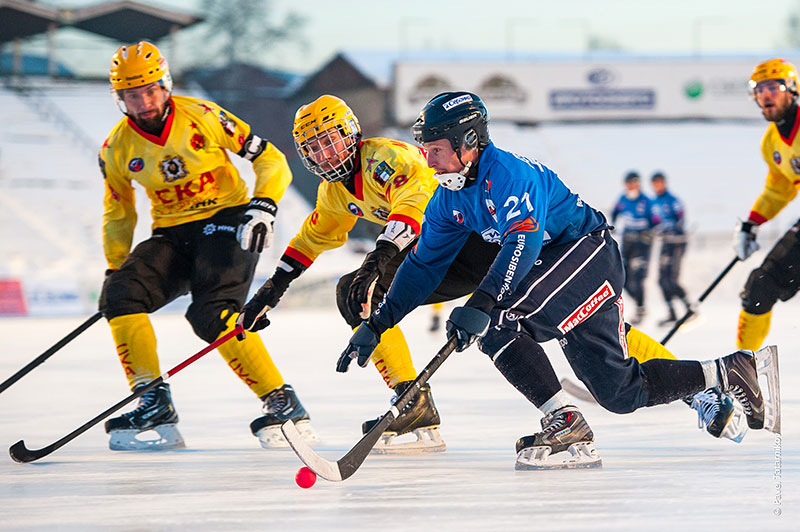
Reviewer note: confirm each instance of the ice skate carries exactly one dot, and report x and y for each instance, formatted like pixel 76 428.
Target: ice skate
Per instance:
pixel 719 415
pixel 155 414
pixel 419 417
pixel 739 375
pixel 281 405
pixel 566 442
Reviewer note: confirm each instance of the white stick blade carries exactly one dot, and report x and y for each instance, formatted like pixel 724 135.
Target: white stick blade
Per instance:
pixel 322 467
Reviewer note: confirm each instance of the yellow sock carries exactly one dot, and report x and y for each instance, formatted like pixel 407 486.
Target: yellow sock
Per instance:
pixel 752 330
pixel 643 348
pixel 250 360
pixel 393 358
pixel 136 347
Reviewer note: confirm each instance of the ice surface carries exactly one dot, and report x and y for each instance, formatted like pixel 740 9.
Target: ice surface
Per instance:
pixel 660 472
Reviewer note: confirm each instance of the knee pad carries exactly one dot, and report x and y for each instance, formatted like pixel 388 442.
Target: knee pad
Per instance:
pixel 209 320
pixel 760 292
pixel 342 289
pixel 122 295
pixel 496 339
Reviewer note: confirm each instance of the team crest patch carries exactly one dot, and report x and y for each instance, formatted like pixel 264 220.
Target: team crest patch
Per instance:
pixel 459 216
pixel 383 172
pixel 492 208
pixel 587 308
pixel 241 140
pixel 776 156
pixel 227 123
pixel 136 164
pixel 102 165
pixel 795 164
pixel 491 235
pixel 173 168
pixel 355 209
pixel 198 141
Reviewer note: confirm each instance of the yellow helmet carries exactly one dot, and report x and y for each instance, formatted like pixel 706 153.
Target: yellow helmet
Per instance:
pixel 326 134
pixel 779 69
pixel 138 65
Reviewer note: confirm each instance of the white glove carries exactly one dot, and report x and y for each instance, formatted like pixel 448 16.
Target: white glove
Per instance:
pixel 256 231
pixel 744 240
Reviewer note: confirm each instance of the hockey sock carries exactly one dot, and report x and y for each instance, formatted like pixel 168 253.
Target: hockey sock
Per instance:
pixel 710 373
pixel 136 347
pixel 752 330
pixel 643 348
pixel 525 365
pixel 559 400
pixel 668 380
pixel 393 358
pixel 250 360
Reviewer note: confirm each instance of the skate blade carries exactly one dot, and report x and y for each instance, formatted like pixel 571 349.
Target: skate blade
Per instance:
pixel 429 440
pixel 271 437
pixel 736 427
pixel 129 440
pixel 767 367
pixel 577 456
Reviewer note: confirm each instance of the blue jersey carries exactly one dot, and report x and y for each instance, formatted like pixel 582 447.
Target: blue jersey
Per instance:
pixel 637 214
pixel 517 202
pixel 669 210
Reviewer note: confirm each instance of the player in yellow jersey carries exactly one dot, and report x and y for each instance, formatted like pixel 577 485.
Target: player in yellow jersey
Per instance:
pixel 386 182
pixel 774 87
pixel 207 232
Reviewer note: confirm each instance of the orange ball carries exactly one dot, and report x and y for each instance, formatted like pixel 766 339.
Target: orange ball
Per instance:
pixel 305 478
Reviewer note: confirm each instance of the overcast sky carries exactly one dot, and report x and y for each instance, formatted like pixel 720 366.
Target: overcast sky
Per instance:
pixel 507 27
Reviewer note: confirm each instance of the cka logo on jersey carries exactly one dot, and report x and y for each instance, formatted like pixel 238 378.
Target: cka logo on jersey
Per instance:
pixel 227 123
pixel 776 156
pixel 198 141
pixel 383 172
pixel 492 208
pixel 795 164
pixel 458 216
pixel 173 168
pixel 136 164
pixel 355 209
pixel 381 213
pixel 491 235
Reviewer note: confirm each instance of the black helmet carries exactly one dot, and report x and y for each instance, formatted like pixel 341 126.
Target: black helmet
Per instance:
pixel 460 117
pixel 632 175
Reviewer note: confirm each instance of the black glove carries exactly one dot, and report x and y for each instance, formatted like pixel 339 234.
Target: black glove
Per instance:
pixel 362 344
pixel 359 297
pixel 253 316
pixel 467 324
pixel 256 231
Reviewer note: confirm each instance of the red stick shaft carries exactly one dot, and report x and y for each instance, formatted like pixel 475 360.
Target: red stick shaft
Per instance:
pixel 213 345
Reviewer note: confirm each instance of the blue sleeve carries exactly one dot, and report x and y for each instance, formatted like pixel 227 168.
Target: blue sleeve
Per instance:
pixel 423 268
pixel 521 216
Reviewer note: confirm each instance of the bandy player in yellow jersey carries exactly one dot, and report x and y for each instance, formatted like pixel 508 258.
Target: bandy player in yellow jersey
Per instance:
pixel 774 86
pixel 386 182
pixel 207 232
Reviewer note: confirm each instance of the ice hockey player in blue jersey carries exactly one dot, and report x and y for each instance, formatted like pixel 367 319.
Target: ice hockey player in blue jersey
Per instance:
pixel 635 211
pixel 558 275
pixel 668 210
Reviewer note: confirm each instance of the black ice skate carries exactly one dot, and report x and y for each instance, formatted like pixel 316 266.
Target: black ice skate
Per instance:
pixel 738 376
pixel 281 405
pixel 718 414
pixel 155 413
pixel 566 442
pixel 419 417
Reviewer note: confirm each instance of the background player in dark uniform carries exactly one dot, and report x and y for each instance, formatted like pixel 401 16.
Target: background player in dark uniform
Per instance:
pixel 668 210
pixel 177 148
pixel 558 275
pixel 635 210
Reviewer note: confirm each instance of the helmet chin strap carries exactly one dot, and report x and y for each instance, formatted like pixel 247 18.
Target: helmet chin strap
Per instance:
pixel 454 181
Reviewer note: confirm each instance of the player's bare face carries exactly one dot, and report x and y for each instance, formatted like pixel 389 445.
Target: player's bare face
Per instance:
pixel 328 150
pixel 773 98
pixel 443 158
pixel 146 105
pixel 659 186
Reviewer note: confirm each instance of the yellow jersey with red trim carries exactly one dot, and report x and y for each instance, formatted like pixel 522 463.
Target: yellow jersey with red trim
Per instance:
pixel 782 156
pixel 185 171
pixel 393 182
